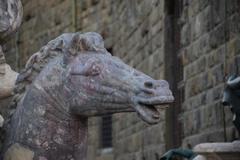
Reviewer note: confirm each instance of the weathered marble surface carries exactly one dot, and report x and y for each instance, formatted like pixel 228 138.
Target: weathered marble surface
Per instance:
pixel 10 20
pixel 200 157
pixel 224 151
pixel 70 79
pixel 218 147
pixel 10 17
pixel 2 61
pixel 7 82
pixel 7 78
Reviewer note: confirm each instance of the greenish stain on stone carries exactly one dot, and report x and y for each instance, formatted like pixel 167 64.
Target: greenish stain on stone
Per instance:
pixel 18 152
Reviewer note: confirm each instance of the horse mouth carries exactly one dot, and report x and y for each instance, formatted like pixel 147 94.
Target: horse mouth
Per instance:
pixel 147 109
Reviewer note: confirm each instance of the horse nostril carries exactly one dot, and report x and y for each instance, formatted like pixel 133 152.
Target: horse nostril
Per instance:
pixel 148 84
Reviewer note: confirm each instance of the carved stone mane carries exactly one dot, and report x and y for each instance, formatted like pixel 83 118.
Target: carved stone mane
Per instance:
pixel 68 43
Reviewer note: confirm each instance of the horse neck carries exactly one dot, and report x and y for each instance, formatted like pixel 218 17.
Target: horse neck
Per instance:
pixel 45 128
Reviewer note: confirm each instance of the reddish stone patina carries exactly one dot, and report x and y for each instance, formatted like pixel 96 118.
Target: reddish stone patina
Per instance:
pixel 70 79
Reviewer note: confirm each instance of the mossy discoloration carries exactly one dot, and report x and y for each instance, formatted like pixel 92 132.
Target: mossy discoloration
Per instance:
pixel 18 152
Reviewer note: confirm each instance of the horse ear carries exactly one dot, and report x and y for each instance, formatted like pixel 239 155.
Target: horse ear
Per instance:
pixel 89 41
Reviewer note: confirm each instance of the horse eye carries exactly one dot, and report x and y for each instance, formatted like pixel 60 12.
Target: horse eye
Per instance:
pixel 96 69
pixel 92 67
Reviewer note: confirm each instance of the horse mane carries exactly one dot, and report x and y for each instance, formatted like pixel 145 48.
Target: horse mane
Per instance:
pixel 68 44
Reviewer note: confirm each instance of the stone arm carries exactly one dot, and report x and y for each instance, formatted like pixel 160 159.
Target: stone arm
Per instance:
pixel 10 20
pixel 7 78
pixel 186 153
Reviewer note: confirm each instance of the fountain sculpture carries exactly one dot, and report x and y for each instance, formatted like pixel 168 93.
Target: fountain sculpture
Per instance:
pixel 69 80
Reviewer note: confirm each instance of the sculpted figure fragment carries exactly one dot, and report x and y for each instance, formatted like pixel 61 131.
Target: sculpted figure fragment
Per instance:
pixel 10 20
pixel 70 79
pixel 10 17
pixel 231 97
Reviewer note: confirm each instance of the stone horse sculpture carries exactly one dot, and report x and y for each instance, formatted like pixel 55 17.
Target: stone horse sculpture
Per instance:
pixel 70 79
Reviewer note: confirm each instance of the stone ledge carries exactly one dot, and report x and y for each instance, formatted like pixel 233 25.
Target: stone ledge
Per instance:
pixel 224 151
pixel 218 147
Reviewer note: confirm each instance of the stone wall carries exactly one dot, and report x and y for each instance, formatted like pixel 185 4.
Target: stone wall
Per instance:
pixel 143 34
pixel 209 49
pixel 42 21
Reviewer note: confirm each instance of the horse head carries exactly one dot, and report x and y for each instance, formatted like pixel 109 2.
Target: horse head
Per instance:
pixel 70 79
pixel 94 82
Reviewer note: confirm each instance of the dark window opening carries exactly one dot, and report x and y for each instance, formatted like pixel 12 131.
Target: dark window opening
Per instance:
pixel 106 130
